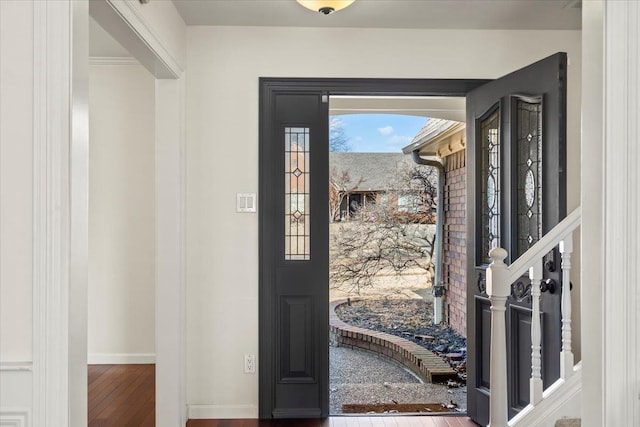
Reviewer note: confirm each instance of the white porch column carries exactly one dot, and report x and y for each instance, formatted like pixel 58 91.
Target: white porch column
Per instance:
pixel 498 289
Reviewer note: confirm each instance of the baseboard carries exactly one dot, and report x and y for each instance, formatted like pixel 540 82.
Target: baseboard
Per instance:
pixel 14 417
pixel 199 412
pixel 121 359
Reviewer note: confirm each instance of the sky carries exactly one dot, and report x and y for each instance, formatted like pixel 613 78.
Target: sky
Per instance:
pixel 378 133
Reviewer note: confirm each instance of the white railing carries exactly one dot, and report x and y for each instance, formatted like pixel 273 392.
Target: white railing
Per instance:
pixel 499 280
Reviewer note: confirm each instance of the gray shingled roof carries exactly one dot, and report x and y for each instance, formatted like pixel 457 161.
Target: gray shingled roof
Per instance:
pixel 429 131
pixel 379 171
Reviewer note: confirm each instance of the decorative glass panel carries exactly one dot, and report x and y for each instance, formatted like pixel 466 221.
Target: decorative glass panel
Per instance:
pixel 490 184
pixel 529 173
pixel 296 198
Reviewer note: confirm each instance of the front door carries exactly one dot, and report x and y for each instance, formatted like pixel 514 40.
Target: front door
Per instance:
pixel 516 192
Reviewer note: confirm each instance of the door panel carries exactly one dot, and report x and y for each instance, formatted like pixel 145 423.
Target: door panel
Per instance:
pixel 516 181
pixel 294 257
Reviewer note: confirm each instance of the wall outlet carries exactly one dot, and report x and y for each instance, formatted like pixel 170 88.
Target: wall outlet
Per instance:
pixel 249 364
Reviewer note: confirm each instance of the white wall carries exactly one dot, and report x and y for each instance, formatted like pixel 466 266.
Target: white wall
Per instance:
pixel 16 207
pixel 224 65
pixel 121 214
pixel 16 157
pixel 593 202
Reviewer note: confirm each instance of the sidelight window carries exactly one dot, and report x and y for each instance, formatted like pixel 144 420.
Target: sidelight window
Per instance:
pixel 296 211
pixel 490 184
pixel 529 171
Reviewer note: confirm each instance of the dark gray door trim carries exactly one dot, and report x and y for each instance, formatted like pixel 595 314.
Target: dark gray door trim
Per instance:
pixel 269 88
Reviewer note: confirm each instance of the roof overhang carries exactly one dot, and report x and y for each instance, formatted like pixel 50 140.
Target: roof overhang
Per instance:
pixel 441 139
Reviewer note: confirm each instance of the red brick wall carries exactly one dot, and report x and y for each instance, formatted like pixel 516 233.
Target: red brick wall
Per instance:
pixel 455 242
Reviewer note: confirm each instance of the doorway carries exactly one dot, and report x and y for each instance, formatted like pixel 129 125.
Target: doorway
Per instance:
pixel 383 211
pixel 293 291
pixel 122 233
pixel 293 300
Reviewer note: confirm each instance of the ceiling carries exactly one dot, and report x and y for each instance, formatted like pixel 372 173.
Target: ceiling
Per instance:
pixel 102 45
pixel 435 14
pixel 433 106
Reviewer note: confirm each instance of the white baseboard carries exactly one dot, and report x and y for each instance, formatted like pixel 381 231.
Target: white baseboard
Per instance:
pixel 121 359
pixel 197 412
pixel 14 417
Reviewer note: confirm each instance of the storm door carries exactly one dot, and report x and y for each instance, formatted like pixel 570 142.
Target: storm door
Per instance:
pixel 294 256
pixel 516 192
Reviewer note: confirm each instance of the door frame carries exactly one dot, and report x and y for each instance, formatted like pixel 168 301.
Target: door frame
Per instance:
pixel 268 89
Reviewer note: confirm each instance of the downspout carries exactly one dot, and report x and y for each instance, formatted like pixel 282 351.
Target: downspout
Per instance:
pixel 438 285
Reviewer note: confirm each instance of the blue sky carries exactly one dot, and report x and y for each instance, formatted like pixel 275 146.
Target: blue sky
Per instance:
pixel 378 133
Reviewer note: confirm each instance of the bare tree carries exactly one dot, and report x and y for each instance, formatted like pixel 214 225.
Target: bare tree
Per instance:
pixel 338 140
pixel 340 187
pixel 382 239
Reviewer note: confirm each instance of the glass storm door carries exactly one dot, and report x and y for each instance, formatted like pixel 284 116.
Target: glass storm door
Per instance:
pixel 516 129
pixel 294 236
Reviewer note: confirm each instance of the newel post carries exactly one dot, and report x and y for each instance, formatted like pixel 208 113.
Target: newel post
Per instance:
pixel 498 289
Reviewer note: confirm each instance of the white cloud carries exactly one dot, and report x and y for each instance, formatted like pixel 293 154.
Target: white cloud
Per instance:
pixel 387 130
pixel 358 138
pixel 399 140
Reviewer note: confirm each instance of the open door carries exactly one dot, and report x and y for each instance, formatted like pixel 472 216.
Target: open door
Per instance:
pixel 294 261
pixel 516 132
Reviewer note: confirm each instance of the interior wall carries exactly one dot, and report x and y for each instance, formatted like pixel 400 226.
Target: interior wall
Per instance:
pixel 121 307
pixel 16 210
pixel 222 159
pixel 16 180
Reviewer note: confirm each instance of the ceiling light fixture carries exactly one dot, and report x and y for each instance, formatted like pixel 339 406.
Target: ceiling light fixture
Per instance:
pixel 325 6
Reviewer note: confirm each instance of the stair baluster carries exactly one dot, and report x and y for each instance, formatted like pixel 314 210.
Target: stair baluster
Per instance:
pixel 566 355
pixel 535 383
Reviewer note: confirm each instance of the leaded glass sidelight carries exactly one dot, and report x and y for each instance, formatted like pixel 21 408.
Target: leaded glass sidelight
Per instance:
pixel 529 172
pixel 296 198
pixel 490 184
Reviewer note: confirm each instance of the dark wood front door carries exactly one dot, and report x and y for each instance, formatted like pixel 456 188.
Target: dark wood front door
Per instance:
pixel 516 192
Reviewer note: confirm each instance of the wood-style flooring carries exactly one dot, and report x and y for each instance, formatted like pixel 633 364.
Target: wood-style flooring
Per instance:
pixel 122 395
pixel 347 421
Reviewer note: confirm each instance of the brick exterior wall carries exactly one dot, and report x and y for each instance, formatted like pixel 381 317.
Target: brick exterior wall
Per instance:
pixel 455 242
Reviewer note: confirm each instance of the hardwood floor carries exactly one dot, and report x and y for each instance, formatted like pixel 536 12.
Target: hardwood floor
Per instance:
pixel 122 395
pixel 350 421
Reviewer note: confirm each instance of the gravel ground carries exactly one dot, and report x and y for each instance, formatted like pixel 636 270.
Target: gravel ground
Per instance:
pixel 405 318
pixel 360 377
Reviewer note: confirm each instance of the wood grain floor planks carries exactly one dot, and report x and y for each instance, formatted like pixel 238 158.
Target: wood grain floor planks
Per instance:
pixel 124 396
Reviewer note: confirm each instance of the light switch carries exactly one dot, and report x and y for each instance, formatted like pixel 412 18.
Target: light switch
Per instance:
pixel 246 202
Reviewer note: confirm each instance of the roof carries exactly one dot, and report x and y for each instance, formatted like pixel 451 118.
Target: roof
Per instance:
pixel 378 171
pixel 433 132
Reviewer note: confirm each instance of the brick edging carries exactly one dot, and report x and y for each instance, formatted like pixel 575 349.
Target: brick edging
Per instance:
pixel 424 363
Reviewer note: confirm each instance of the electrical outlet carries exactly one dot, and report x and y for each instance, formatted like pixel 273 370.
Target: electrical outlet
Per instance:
pixel 249 364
